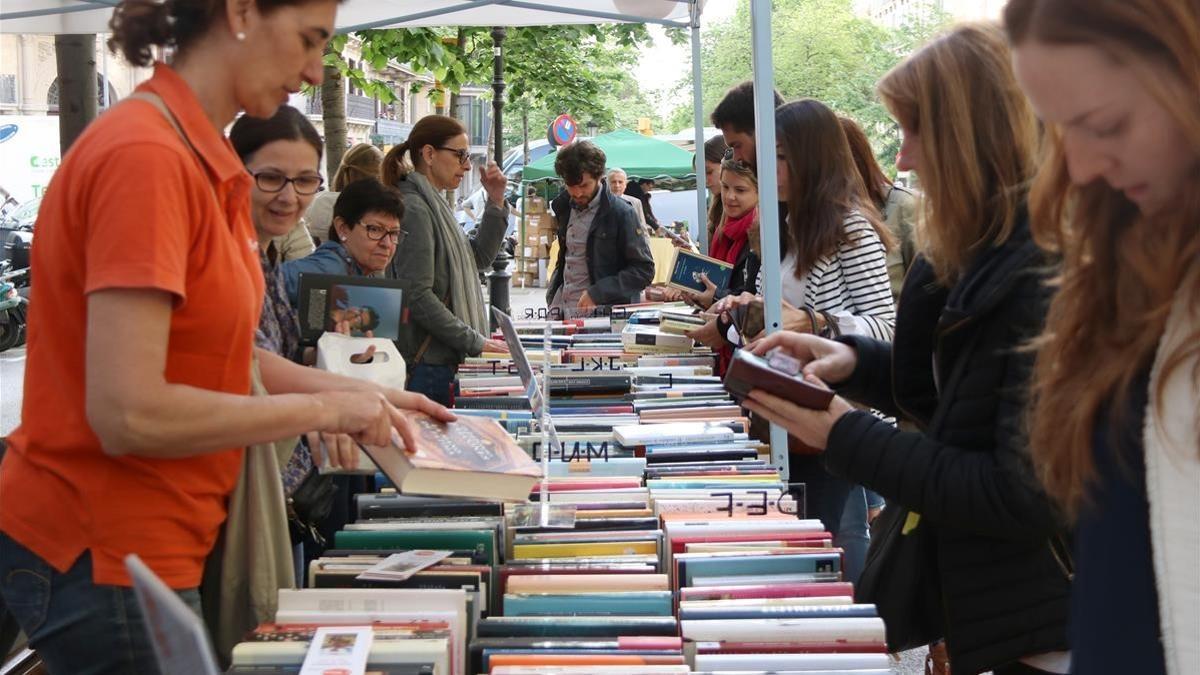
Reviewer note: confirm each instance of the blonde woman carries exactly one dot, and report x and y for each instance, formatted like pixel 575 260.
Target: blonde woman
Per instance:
pixel 359 162
pixel 1117 385
pixel 998 575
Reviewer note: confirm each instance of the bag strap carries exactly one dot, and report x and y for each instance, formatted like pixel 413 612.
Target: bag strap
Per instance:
pixel 156 101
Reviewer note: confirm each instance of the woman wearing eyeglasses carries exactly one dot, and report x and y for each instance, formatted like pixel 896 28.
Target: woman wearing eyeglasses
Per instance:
pixel 444 318
pixel 362 239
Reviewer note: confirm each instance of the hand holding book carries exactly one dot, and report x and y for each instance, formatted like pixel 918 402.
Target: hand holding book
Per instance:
pixel 820 361
pixel 826 360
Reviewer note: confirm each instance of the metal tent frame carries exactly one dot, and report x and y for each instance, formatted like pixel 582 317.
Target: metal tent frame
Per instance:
pixel 91 16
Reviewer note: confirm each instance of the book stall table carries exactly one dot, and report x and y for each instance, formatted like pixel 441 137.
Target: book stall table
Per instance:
pixel 658 537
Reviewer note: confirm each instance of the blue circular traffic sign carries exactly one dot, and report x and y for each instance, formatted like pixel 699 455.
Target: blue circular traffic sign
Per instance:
pixel 562 129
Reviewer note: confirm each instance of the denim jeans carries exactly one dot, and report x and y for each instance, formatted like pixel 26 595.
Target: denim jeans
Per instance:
pixel 432 380
pixel 852 536
pixel 77 626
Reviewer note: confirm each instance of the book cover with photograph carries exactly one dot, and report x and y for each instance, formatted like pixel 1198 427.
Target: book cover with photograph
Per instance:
pixel 687 266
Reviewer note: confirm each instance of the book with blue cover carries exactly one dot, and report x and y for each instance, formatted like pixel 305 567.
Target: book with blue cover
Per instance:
pixel 635 603
pixel 687 267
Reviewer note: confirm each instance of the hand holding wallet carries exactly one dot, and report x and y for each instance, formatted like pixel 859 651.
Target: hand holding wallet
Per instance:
pixel 778 374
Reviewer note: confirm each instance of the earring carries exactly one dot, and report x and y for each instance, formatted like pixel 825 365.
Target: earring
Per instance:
pixel 343 237
pixel 241 36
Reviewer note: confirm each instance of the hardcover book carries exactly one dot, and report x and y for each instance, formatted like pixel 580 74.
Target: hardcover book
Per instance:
pixel 687 267
pixel 471 457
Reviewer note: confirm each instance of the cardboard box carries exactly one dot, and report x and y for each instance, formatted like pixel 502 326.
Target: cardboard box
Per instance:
pixel 535 205
pixel 537 238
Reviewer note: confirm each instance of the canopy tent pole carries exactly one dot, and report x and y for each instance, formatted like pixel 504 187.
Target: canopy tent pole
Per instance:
pixel 698 121
pixel 768 188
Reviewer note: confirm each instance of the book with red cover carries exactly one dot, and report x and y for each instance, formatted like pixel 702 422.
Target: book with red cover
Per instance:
pixel 471 457
pixel 678 542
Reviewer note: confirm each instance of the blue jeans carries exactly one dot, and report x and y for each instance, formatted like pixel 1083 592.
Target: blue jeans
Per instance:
pixel 78 627
pixel 432 380
pixel 852 536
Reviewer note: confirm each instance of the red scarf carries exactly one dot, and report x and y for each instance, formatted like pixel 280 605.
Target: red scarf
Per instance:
pixel 732 238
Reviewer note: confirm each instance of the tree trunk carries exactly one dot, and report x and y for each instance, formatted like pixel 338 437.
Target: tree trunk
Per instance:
pixel 333 111
pixel 460 48
pixel 76 57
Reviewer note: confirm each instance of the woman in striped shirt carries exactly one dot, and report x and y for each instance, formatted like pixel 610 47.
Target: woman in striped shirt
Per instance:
pixel 835 281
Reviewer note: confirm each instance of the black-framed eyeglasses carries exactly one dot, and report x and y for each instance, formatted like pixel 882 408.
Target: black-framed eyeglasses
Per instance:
pixel 464 155
pixel 377 233
pixel 273 181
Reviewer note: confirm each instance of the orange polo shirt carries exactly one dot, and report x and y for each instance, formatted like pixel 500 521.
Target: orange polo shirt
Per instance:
pixel 132 206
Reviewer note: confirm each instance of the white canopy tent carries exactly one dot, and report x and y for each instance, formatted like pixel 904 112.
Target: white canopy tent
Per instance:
pixel 91 16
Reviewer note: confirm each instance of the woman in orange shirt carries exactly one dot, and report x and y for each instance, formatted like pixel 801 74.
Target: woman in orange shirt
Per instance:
pixel 136 402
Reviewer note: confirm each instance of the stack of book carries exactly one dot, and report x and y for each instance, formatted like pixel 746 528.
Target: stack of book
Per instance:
pixel 639 338
pixel 591 597
pixel 763 591
pixel 413 630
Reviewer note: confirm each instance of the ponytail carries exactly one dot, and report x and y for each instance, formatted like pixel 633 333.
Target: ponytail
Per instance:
pixel 432 130
pixel 394 168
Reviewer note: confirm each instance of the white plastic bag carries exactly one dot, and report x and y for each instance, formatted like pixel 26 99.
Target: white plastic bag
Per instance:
pixel 334 352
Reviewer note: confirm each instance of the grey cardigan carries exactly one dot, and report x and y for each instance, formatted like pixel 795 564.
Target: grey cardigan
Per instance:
pixel 426 287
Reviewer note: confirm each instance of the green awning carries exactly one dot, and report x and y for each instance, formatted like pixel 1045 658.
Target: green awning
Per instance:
pixel 640 156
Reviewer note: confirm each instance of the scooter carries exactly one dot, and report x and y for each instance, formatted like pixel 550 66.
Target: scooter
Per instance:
pixel 13 306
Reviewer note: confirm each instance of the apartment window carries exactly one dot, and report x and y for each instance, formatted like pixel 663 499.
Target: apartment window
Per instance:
pixel 8 88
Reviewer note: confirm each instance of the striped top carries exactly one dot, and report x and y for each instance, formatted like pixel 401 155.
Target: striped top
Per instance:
pixel 851 283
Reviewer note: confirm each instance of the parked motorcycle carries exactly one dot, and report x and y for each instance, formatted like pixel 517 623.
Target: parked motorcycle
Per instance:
pixel 14 305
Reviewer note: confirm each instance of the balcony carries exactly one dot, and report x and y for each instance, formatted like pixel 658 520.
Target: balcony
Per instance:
pixel 357 107
pixel 360 107
pixel 390 132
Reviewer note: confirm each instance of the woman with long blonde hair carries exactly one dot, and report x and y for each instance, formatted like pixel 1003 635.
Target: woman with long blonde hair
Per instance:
pixel 992 576
pixel 1117 385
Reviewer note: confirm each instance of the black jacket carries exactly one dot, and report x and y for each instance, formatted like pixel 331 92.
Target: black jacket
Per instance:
pixel 958 369
pixel 619 262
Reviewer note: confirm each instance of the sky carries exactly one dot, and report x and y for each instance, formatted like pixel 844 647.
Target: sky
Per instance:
pixel 662 66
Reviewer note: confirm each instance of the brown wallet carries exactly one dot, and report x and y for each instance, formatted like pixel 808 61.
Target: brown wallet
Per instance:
pixel 747 372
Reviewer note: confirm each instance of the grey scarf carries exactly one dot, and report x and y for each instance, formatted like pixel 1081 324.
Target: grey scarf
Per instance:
pixel 466 300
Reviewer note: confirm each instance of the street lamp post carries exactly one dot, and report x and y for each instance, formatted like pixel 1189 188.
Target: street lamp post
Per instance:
pixel 499 277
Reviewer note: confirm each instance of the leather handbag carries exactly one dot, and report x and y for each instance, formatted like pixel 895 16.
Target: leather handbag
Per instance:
pixel 309 495
pixel 309 505
pixel 901 579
